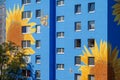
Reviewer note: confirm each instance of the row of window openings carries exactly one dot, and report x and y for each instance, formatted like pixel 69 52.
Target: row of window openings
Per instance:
pixel 91 27
pixel 28 59
pixel 27 14
pixel 27 73
pixel 77 8
pixel 27 43
pixel 77 44
pixel 24 2
pixel 78 77
pixel 91 62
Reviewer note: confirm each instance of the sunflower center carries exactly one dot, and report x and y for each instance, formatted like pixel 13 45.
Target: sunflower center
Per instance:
pixel 111 73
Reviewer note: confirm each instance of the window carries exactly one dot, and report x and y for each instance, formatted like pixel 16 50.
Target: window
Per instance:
pixel 37 28
pixel 26 73
pixel 91 25
pixel 26 43
pixel 25 29
pixel 77 76
pixel 78 8
pixel 37 73
pixel 38 13
pixel 37 59
pixel 91 61
pixel 91 77
pixel 60 50
pixel 37 43
pixel 91 43
pixel 26 1
pixel 60 66
pixel 38 1
pixel 27 59
pixel 60 34
pixel 77 26
pixel 77 43
pixel 60 18
pixel 26 14
pixel 91 7
pixel 60 2
pixel 77 60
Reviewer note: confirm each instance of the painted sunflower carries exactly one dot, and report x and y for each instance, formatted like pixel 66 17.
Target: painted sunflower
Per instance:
pixel 14 24
pixel 106 64
pixel 116 11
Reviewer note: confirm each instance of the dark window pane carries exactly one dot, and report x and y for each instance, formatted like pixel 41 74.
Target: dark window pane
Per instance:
pixel 91 61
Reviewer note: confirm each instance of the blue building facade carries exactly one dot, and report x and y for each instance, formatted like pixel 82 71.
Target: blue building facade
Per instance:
pixel 62 29
pixel 39 61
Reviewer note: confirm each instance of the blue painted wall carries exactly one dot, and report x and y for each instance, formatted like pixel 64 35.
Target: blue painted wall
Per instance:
pixel 100 33
pixel 43 51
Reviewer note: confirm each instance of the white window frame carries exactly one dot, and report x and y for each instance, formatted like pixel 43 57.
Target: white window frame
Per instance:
pixel 89 43
pixel 40 13
pixel 89 77
pixel 61 51
pixel 38 61
pixel 26 2
pixel 91 23
pixel 76 6
pixel 89 63
pixel 27 30
pixel 27 58
pixel 89 7
pixel 60 18
pixel 26 43
pixel 77 76
pixel 60 66
pixel 37 1
pixel 36 74
pixel 26 74
pixel 75 43
pixel 76 60
pixel 60 34
pixel 60 2
pixel 38 44
pixel 26 14
pixel 77 24
pixel 38 29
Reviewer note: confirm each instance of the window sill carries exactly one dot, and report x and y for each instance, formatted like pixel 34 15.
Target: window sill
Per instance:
pixel 60 37
pixel 91 12
pixel 26 4
pixel 38 47
pixel 38 63
pixel 60 53
pixel 38 17
pixel 26 33
pixel 61 21
pixel 77 65
pixel 77 47
pixel 91 29
pixel 26 47
pixel 78 30
pixel 91 65
pixel 60 69
pixel 60 5
pixel 38 32
pixel 38 2
pixel 78 13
